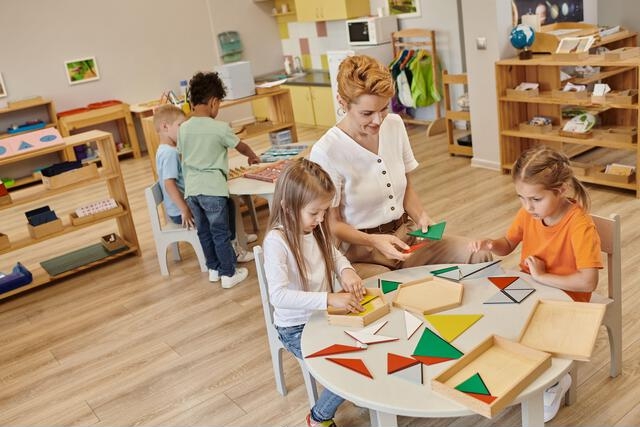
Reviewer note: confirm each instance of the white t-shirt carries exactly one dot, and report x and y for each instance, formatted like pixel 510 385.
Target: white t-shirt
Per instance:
pixel 369 187
pixel 293 306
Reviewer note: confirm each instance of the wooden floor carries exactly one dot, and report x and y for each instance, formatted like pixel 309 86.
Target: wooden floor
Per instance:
pixel 121 345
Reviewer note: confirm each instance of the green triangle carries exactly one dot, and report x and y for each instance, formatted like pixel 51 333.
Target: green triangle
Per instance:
pixel 388 285
pixel 473 384
pixel 432 345
pixel 434 232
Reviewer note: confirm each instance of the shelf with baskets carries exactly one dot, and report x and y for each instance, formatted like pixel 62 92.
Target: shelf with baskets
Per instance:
pixel 617 114
pixel 108 175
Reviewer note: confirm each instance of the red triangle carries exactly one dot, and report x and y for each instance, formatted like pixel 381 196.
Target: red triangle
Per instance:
pixel 335 349
pixel 396 363
pixel 356 365
pixel 484 397
pixel 503 282
pixel 429 360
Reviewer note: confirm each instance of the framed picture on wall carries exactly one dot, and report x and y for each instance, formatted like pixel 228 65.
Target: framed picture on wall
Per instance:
pixel 82 70
pixel 3 88
pixel 404 8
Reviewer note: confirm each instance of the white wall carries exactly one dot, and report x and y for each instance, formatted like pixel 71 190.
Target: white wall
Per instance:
pixel 620 12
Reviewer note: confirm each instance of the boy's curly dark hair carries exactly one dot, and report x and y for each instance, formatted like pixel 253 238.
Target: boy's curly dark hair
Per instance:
pixel 204 86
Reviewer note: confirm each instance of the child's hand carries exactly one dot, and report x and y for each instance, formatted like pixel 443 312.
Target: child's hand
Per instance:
pixel 351 282
pixel 344 300
pixel 481 245
pixel 187 219
pixel 536 266
pixel 253 159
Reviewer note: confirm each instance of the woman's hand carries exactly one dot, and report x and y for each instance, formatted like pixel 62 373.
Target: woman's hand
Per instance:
pixel 344 300
pixel 424 221
pixel 536 266
pixel 352 283
pixel 481 245
pixel 388 244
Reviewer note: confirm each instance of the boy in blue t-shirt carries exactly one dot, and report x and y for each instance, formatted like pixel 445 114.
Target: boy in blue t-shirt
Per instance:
pixel 203 143
pixel 167 120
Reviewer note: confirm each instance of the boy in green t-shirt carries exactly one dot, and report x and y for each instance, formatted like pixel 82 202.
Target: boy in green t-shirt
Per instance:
pixel 203 143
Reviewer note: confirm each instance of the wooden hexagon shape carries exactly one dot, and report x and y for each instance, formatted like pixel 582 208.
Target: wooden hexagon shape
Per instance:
pixel 428 295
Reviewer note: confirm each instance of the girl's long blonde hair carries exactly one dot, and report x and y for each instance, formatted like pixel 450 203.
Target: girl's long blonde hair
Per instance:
pixel 545 166
pixel 302 182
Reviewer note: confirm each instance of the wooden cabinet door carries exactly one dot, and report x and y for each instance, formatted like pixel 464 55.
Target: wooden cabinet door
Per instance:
pixel 323 107
pixel 302 104
pixel 308 10
pixel 330 10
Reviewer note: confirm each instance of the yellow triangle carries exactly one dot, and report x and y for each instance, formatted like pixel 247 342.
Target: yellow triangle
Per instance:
pixel 450 326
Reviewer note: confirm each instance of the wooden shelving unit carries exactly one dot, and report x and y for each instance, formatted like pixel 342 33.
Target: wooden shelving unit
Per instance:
pixel 109 174
pixel 452 115
pixel 619 75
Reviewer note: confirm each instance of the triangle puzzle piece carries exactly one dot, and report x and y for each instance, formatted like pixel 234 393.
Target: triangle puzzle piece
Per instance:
pixel 450 326
pixel 396 362
pixel 453 274
pixel 433 345
pixel 484 397
pixel 24 145
pixel 356 365
pixel 434 231
pixel 500 298
pixel 374 327
pixel 412 323
pixel 480 269
pixel 412 373
pixel 335 349
pixel 473 384
pixel 369 338
pixel 429 360
pixel 519 295
pixel 388 285
pixel 503 282
pixel 519 284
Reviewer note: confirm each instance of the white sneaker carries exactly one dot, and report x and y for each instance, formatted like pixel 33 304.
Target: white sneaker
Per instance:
pixel 230 281
pixel 251 238
pixel 213 275
pixel 241 254
pixel 553 397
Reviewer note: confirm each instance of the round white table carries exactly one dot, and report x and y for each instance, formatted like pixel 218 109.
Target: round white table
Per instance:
pixel 386 396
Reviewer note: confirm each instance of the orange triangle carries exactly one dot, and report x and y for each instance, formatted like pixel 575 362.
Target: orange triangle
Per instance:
pixel 429 360
pixel 356 365
pixel 503 282
pixel 484 397
pixel 335 349
pixel 396 363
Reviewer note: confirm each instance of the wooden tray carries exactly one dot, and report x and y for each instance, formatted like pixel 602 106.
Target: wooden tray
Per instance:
pixel 577 135
pixel 4 242
pixel 522 94
pixel 5 200
pixel 78 220
pixel 581 169
pixel 578 56
pixel 599 173
pixel 506 368
pixel 570 95
pixel 526 127
pixel 563 328
pixel 627 134
pixel 69 178
pixel 428 295
pixel 45 229
pixel 378 309
pixel 622 53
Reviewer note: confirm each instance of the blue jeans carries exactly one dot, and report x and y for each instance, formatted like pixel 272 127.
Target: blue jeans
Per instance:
pixel 176 219
pixel 211 215
pixel 328 402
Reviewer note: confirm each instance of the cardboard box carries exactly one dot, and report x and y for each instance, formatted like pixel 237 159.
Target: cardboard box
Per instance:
pixel 46 229
pixel 76 220
pixel 379 309
pixel 526 127
pixel 4 242
pixel 89 171
pixel 522 94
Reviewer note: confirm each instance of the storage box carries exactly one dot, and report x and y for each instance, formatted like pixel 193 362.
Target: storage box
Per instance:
pixel 570 95
pixel 112 242
pixel 571 57
pixel 281 137
pixel 526 127
pixel 505 368
pixel 237 78
pixel 548 328
pixel 622 53
pixel 4 242
pixel 79 220
pixel 628 134
pixel 69 178
pixel 520 94
pixel 581 169
pixel 599 173
pixel 577 135
pixel 46 229
pixel 624 97
pixel 377 309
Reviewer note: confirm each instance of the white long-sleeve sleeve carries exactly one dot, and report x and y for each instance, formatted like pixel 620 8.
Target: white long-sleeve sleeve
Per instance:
pixel 292 305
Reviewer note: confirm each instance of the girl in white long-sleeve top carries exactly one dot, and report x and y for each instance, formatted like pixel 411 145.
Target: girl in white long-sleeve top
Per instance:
pixel 301 264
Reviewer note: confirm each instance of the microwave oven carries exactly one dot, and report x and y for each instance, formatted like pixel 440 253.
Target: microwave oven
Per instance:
pixel 371 30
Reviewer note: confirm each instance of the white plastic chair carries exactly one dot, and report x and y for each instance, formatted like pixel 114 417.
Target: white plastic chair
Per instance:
pixel 170 236
pixel 275 346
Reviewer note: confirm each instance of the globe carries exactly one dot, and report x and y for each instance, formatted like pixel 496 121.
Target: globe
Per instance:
pixel 522 36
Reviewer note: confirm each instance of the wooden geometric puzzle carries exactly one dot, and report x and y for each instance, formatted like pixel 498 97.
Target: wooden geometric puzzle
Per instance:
pixel 369 335
pixel 466 271
pixel 334 349
pixel 403 367
pixel 513 290
pixel 30 141
pixel 411 323
pixel 356 365
pixel 432 349
pixel 428 295
pixel 450 326
pixel 388 285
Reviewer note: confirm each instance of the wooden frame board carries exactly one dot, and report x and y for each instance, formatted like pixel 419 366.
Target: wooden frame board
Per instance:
pixel 549 328
pixel 506 368
pixel 428 295
pixel 379 308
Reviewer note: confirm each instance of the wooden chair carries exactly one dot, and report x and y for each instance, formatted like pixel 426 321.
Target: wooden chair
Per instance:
pixel 275 345
pixel 168 235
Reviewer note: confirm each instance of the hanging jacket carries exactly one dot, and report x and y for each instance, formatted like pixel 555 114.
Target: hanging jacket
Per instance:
pixel 424 90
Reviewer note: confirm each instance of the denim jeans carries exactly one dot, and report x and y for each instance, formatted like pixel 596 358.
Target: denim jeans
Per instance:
pixel 176 219
pixel 211 215
pixel 328 402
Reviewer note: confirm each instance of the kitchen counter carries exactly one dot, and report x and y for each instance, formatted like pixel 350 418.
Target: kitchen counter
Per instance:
pixel 310 78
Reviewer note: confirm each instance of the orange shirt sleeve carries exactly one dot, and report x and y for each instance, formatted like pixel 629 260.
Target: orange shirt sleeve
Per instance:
pixel 586 245
pixel 516 230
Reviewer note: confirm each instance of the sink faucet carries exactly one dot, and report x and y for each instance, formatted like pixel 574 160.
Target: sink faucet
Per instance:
pixel 298 65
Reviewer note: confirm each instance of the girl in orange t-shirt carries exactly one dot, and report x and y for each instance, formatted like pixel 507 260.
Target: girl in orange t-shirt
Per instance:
pixel 560 244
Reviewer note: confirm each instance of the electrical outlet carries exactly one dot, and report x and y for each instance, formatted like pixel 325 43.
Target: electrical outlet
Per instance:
pixel 481 43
